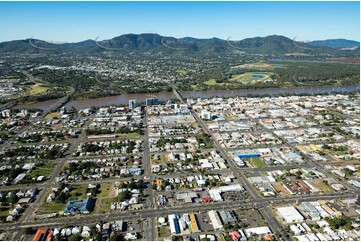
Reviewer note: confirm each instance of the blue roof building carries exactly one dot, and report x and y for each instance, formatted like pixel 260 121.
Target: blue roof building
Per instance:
pixel 246 154
pixel 79 206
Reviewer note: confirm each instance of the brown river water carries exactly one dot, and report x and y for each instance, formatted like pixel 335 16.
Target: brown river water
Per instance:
pixel 124 98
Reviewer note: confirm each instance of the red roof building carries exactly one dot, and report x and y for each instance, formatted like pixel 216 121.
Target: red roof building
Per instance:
pixel 207 199
pixel 40 235
pixel 235 235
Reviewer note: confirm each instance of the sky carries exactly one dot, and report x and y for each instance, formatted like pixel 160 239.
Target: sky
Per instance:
pixel 77 21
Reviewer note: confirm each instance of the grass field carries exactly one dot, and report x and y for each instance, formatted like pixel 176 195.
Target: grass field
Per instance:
pixel 51 207
pixel 163 159
pixel 78 192
pixel 105 198
pixel 52 115
pixel 320 185
pixel 257 162
pixel 42 170
pixel 163 231
pixel 129 136
pixel 4 211
pixel 36 90
pixel 104 205
pixel 211 82
pixel 181 72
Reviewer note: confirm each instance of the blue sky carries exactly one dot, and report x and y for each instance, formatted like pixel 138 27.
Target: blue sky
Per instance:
pixel 76 21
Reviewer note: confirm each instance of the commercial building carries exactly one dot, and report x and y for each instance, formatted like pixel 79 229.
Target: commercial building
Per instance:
pixel 193 223
pixel 173 224
pixel 332 211
pixel 257 231
pixel 215 220
pixel 132 103
pixel 312 212
pixel 206 115
pixel 246 154
pixel 290 214
pixel 227 217
pixel 43 234
pixel 215 193
pixel 151 101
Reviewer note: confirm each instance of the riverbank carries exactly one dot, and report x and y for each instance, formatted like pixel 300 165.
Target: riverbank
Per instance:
pixel 124 99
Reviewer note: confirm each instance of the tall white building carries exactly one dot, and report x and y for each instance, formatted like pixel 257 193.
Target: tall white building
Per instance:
pixel 132 103
pixel 206 114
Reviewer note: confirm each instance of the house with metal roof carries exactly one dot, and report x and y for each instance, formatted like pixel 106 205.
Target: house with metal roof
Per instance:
pixel 79 206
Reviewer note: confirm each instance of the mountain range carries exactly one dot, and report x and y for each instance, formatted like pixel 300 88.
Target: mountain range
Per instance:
pixel 335 43
pixel 154 43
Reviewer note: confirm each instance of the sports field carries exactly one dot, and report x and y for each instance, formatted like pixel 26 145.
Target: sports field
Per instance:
pixel 252 77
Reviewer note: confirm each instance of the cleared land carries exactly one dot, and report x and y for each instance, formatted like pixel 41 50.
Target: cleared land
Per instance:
pixel 37 89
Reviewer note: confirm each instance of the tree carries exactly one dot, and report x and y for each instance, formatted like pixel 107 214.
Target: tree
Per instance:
pixel 116 237
pixel 28 230
pixel 124 196
pixel 347 172
pixel 75 237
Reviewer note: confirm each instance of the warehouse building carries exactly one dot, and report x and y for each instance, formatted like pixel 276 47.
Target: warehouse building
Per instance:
pixel 193 223
pixel 312 212
pixel 257 231
pixel 290 214
pixel 173 224
pixel 246 154
pixel 215 220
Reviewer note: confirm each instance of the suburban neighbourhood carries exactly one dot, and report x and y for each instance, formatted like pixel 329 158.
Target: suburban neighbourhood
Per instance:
pixel 236 169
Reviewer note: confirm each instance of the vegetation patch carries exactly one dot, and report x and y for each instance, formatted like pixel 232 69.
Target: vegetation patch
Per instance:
pixel 52 115
pixel 37 89
pixel 257 162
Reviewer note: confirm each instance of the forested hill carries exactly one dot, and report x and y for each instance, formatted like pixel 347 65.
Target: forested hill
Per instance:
pixel 153 43
pixel 335 43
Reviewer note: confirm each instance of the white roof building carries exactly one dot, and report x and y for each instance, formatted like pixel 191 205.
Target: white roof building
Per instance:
pixel 257 231
pixel 215 220
pixel 290 214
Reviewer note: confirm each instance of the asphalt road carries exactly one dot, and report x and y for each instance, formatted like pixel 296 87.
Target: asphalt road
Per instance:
pixel 151 211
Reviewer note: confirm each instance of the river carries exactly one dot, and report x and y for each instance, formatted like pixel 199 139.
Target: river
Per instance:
pixel 123 99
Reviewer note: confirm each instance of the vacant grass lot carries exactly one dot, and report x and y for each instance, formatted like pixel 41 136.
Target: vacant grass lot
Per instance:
pixel 52 115
pixel 128 136
pixel 36 90
pixel 42 170
pixel 257 162
pixel 51 207
pixel 212 82
pixel 320 185
pixel 163 231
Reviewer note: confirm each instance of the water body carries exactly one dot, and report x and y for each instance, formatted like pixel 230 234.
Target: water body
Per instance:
pixel 119 99
pixel 41 105
pixel 124 99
